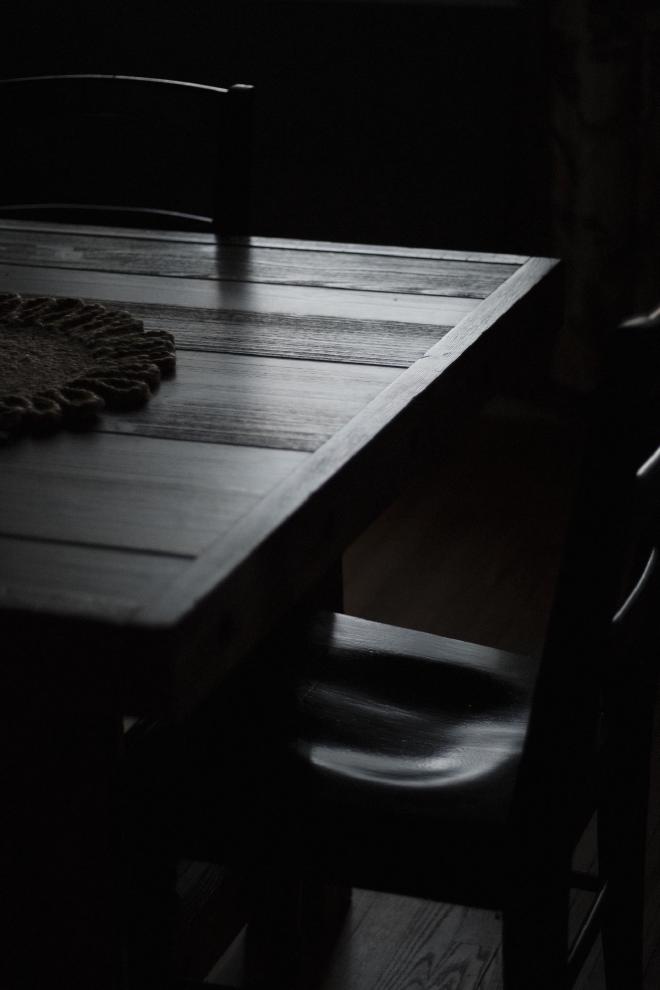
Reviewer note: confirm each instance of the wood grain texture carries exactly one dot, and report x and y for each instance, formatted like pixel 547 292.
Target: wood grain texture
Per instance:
pixel 290 539
pixel 132 492
pixel 392 407
pixel 251 296
pixel 278 265
pixel 264 402
pixel 392 943
pixel 312 481
pixel 316 338
pixel 510 294
pixel 437 254
pixel 80 581
pixel 288 243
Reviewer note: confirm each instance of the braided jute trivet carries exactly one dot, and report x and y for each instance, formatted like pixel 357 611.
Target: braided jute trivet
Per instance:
pixel 63 360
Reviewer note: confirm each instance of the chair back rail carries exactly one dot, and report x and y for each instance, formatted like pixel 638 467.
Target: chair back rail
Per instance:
pixel 601 619
pixel 148 152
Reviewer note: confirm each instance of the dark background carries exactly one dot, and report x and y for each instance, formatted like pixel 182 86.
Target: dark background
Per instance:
pixel 398 123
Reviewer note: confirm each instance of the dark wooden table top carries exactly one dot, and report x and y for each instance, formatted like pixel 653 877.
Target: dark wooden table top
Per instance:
pixel 312 378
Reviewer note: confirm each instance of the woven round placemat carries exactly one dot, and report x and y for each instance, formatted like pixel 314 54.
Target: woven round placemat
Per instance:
pixel 64 360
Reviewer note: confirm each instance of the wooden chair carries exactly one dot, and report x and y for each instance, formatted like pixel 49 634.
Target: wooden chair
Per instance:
pixel 442 769
pixel 126 150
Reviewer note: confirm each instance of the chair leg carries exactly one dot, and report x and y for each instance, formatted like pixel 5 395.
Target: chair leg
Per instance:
pixel 293 931
pixel 622 824
pixel 535 933
pixel 621 852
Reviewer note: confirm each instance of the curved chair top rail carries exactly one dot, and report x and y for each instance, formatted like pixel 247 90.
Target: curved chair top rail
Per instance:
pixel 649 473
pixel 111 78
pixel 97 93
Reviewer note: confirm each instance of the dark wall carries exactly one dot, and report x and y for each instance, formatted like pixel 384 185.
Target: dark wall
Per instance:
pixel 391 123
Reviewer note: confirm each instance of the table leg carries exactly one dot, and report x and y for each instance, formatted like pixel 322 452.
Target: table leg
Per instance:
pixel 295 924
pixel 87 876
pixel 296 918
pixel 61 848
pixel 149 897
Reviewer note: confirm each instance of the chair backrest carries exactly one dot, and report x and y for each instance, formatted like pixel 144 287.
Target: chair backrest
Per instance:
pixel 602 633
pixel 126 150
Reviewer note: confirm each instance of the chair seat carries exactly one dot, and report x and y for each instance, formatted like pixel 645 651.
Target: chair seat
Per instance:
pixel 410 743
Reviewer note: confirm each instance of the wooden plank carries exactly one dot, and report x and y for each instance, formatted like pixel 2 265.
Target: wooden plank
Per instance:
pixel 292 244
pixel 80 581
pixel 315 338
pixel 248 263
pixel 486 257
pixel 132 492
pixel 250 296
pixel 254 401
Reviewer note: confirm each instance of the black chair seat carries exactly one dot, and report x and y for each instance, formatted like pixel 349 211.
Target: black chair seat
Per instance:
pixel 393 718
pixel 402 735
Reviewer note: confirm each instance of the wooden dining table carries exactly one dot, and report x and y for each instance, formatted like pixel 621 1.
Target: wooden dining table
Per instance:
pixel 142 558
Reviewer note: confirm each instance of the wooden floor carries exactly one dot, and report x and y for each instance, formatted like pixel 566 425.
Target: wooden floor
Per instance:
pixel 470 551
